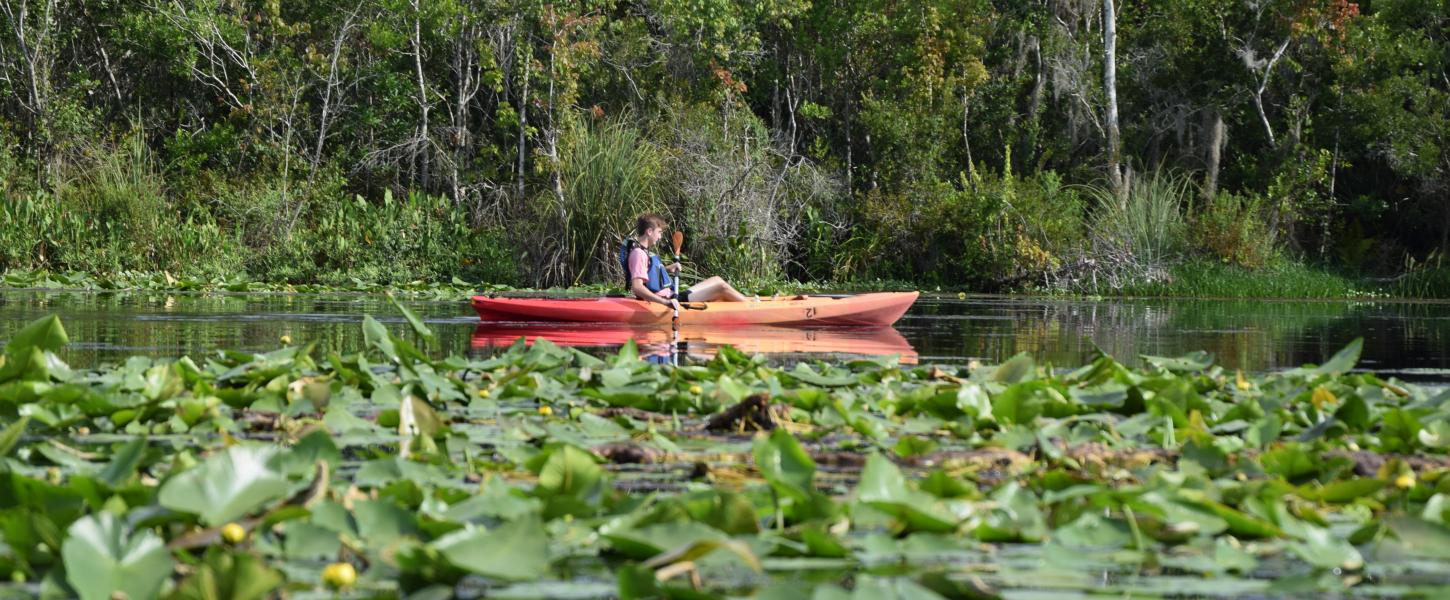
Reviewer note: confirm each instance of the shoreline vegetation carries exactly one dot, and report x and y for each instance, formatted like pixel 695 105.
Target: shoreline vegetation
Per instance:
pixel 1191 280
pixel 985 145
pixel 386 473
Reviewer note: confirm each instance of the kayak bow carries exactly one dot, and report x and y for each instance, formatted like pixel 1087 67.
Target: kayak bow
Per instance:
pixel 882 308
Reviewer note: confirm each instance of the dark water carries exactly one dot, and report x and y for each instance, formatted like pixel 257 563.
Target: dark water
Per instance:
pixel 1402 338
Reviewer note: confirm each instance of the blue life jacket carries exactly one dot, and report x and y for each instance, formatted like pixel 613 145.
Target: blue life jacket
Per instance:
pixel 657 278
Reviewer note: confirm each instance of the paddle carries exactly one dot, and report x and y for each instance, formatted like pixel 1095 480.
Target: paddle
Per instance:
pixel 677 240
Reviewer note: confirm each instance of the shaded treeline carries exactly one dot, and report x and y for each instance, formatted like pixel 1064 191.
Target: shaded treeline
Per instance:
pixel 968 142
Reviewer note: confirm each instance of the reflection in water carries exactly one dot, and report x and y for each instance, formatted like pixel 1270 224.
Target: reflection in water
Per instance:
pixel 702 342
pixel 1403 338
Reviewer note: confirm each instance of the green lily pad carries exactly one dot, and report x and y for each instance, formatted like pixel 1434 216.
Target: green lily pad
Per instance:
pixel 102 557
pixel 228 485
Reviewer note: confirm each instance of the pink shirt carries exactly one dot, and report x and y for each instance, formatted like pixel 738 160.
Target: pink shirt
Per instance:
pixel 639 269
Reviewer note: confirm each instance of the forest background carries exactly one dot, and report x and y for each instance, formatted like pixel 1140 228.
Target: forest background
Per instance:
pixel 1193 146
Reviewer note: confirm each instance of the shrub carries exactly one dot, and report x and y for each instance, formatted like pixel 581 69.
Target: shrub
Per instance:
pixel 1230 228
pixel 988 231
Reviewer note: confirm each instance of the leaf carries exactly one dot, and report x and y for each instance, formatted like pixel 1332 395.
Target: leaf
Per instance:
pixel 413 321
pixel 1017 369
pixel 101 556
pixel 1188 363
pixel 228 485
pixel 884 488
pixel 1340 492
pixel 1321 549
pixel 1420 537
pixel 649 541
pixel 230 576
pixel 11 436
pixel 124 463
pixel 518 550
pixel 1342 362
pixel 45 333
pixel 377 336
pixel 701 548
pixel 784 464
pixel 381 522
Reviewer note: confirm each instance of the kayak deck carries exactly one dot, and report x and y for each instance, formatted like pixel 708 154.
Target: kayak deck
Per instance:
pixel 882 308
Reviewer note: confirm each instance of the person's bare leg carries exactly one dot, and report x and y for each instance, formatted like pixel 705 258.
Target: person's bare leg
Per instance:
pixel 715 288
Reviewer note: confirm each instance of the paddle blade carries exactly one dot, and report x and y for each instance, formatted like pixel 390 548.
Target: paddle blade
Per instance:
pixel 678 240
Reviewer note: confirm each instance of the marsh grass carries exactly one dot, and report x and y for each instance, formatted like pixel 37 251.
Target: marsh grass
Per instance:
pixel 1203 278
pixel 610 173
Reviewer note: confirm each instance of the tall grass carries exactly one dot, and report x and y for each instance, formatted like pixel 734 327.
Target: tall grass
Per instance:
pixel 610 174
pixel 1149 223
pixel 108 210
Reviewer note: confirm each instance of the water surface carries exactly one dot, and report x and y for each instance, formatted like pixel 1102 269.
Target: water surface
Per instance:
pixel 1407 339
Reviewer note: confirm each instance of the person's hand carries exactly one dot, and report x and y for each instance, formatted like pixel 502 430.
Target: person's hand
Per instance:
pixel 674 304
pixel 673 268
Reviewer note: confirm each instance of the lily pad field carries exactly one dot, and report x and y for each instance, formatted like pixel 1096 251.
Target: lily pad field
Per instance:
pixel 543 471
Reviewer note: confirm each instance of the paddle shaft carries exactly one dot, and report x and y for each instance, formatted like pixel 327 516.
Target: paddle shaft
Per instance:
pixel 676 241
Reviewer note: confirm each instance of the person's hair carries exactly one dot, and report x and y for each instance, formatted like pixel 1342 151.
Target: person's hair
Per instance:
pixel 648 220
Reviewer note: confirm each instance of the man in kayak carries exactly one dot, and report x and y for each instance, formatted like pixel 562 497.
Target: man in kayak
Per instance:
pixel 650 280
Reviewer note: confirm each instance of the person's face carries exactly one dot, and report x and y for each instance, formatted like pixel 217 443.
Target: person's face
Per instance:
pixel 654 235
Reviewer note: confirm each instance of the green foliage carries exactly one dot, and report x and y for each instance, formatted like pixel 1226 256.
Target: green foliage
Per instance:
pixel 988 231
pixel 789 139
pixel 1231 228
pixel 1181 464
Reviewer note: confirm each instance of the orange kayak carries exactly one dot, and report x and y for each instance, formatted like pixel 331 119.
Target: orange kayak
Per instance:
pixel 703 340
pixel 862 309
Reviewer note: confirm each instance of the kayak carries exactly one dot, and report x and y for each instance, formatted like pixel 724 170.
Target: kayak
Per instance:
pixel 882 308
pixel 704 340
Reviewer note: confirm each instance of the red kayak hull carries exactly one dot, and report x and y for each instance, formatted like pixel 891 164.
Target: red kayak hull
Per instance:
pixel 875 309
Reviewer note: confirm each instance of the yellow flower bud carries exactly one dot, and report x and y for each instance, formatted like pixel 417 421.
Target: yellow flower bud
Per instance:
pixel 339 575
pixel 1405 481
pixel 233 533
pixel 545 410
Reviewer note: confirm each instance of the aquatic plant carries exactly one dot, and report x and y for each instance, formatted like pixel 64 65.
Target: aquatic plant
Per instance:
pixel 546 471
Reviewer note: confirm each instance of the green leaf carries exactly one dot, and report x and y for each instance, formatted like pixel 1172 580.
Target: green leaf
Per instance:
pixel 227 485
pixel 1017 369
pixel 1188 363
pixel 1320 548
pixel 45 333
pixel 101 557
pixel 784 464
pixel 230 576
pixel 646 542
pixel 1342 361
pixel 413 321
pixel 1340 492
pixel 377 336
pixel 518 550
pixel 11 436
pixel 124 463
pixel 1420 537
pixel 884 488
pixel 381 522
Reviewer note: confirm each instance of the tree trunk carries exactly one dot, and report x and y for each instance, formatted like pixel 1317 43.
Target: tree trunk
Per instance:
pixel 1217 131
pixel 1110 85
pixel 423 142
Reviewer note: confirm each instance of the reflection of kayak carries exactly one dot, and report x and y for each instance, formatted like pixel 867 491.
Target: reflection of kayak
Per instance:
pixel 862 309
pixel 703 340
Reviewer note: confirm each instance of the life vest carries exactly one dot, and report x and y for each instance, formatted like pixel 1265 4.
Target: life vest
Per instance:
pixel 657 278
